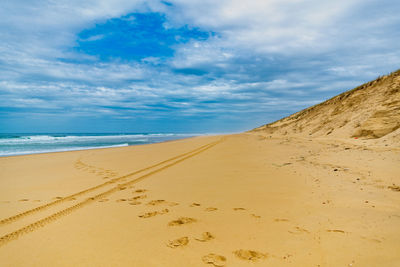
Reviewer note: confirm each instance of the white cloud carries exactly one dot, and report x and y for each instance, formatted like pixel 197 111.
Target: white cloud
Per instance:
pixel 267 26
pixel 275 53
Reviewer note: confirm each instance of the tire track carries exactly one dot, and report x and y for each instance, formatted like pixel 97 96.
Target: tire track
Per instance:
pixel 80 193
pixel 40 223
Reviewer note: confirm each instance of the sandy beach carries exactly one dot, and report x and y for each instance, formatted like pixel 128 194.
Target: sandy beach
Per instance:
pixel 199 133
pixel 236 200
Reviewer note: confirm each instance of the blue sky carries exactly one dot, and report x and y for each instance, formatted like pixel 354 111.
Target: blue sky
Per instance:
pixel 184 66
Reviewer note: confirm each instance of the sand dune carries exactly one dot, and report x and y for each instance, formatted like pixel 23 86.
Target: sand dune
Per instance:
pixel 369 111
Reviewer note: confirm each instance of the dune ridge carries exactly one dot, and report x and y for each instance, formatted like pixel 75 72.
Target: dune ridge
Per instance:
pixel 369 111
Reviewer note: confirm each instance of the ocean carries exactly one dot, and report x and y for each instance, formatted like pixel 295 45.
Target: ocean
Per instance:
pixel 22 144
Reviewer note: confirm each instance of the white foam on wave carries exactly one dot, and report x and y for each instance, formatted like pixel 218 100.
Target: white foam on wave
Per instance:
pixel 17 153
pixel 15 144
pixel 42 139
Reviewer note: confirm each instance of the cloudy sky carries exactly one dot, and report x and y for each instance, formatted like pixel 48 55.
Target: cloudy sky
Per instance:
pixel 185 65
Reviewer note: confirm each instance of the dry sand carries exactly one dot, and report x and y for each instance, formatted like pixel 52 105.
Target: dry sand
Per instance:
pixel 238 200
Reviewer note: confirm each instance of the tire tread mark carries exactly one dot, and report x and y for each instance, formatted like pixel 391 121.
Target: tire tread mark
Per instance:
pixel 59 201
pixel 42 222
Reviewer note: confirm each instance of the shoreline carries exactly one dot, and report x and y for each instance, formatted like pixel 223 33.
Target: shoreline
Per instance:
pixel 105 147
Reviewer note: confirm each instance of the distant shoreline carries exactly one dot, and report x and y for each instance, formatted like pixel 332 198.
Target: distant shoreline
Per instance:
pixel 30 144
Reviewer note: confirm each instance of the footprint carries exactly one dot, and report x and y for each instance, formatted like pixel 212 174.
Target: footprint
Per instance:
pixel 135 202
pixel 214 259
pixel 206 236
pixel 299 230
pixel 104 200
pixel 140 191
pixel 156 202
pixel 148 214
pixel 236 209
pixel 281 220
pixel 302 230
pixel 23 200
pixel 211 209
pixel 139 197
pixel 180 242
pixel 372 239
pixel 194 205
pixel 181 221
pixel 164 211
pixel 122 188
pixel 255 216
pixel 58 198
pixel 250 255
pixel 394 187
pixel 336 231
pixel 121 200
pixel 287 256
pixel 153 213
pixel 161 201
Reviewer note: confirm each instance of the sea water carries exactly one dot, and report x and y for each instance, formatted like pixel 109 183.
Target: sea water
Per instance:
pixel 20 144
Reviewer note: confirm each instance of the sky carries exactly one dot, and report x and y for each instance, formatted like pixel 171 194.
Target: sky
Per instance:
pixel 193 66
